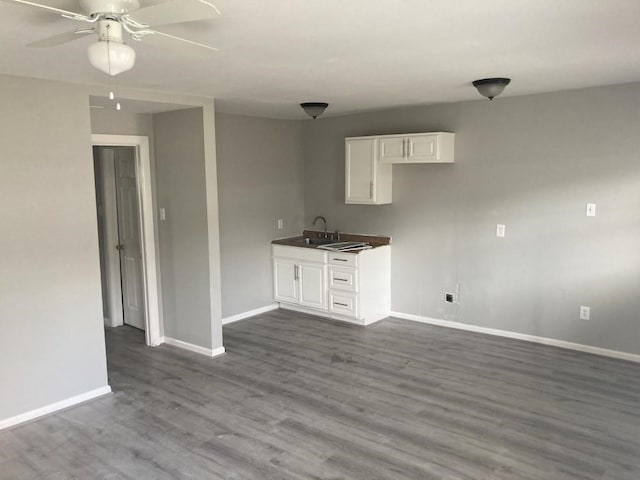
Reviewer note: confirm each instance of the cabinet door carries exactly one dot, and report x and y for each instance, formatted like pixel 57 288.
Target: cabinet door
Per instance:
pixel 392 149
pixel 360 170
pixel 422 149
pixel 367 181
pixel 313 288
pixel 285 283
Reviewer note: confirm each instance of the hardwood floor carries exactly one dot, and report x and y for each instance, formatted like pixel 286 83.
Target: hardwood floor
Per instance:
pixel 298 397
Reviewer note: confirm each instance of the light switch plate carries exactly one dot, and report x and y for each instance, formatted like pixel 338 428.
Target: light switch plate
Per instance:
pixel 280 224
pixel 163 214
pixel 591 209
pixel 501 230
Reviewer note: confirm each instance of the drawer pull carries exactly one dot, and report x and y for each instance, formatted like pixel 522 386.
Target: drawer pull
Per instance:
pixel 340 259
pixel 340 280
pixel 341 304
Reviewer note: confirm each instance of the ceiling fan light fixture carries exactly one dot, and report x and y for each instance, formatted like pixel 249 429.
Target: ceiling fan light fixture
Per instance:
pixel 314 109
pixel 491 87
pixel 111 57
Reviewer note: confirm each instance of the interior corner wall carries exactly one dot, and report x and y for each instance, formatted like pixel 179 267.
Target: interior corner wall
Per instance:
pixel 52 342
pixel 531 163
pixel 184 235
pixel 260 180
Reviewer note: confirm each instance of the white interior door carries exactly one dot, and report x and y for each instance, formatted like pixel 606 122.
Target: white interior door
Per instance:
pixel 129 237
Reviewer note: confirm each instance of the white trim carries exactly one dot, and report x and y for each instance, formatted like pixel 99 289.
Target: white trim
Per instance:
pixel 193 348
pixel 153 312
pixel 213 221
pixel 54 407
pixel 250 313
pixel 327 314
pixel 520 336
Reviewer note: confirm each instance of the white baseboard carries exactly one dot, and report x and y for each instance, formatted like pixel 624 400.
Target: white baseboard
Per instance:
pixel 520 336
pixel 54 407
pixel 193 348
pixel 250 313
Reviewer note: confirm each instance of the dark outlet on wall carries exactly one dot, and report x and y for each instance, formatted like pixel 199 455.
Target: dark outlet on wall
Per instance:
pixel 448 297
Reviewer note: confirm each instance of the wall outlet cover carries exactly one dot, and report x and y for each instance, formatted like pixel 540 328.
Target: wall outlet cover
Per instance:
pixel 585 312
pixel 591 209
pixel 501 230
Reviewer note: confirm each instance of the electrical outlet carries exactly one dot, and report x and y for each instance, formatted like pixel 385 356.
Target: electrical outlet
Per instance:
pixel 448 297
pixel 501 230
pixel 280 224
pixel 163 214
pixel 585 313
pixel 591 209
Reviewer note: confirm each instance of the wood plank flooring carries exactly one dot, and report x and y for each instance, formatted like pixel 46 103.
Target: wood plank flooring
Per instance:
pixel 298 397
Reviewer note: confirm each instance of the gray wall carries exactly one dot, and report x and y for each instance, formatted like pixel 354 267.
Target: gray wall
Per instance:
pixel 260 179
pixel 183 236
pixel 531 163
pixel 52 340
pixel 113 122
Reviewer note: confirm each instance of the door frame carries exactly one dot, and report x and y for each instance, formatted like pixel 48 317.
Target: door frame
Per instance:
pixel 150 270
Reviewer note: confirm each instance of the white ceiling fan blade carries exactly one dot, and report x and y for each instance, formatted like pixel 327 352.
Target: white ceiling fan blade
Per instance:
pixel 175 11
pixel 65 13
pixel 62 38
pixel 165 40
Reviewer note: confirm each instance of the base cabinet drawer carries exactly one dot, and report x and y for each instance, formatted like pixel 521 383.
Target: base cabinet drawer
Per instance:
pixel 341 278
pixel 343 303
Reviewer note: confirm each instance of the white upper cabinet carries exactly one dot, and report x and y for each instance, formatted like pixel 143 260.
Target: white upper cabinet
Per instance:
pixel 436 147
pixel 367 181
pixel 392 149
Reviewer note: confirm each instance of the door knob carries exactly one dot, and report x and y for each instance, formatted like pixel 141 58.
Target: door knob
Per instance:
pixel 120 247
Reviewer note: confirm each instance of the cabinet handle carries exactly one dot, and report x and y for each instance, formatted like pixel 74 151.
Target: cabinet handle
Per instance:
pixel 295 273
pixel 339 259
pixel 409 148
pixel 341 304
pixel 340 280
pixel 404 147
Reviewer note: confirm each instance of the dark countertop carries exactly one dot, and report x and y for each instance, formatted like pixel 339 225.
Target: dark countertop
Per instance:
pixel 373 240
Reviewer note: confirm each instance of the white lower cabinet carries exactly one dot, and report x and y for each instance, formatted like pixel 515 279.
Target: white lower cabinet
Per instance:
pixel 353 287
pixel 285 285
pixel 299 276
pixel 311 279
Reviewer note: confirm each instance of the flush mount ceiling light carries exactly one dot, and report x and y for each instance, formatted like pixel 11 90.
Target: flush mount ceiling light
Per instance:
pixel 491 87
pixel 314 109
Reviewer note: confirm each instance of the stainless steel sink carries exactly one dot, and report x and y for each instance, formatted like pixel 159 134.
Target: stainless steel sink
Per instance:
pixel 313 241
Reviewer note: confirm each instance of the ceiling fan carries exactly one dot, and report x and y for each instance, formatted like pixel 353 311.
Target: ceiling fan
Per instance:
pixel 112 19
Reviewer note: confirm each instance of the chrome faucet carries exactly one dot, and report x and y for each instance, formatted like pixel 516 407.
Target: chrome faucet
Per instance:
pixel 324 221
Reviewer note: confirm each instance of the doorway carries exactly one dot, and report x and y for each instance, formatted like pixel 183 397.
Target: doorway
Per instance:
pixel 119 228
pixel 126 228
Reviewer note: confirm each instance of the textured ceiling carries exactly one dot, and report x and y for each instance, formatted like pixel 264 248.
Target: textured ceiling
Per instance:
pixel 355 54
